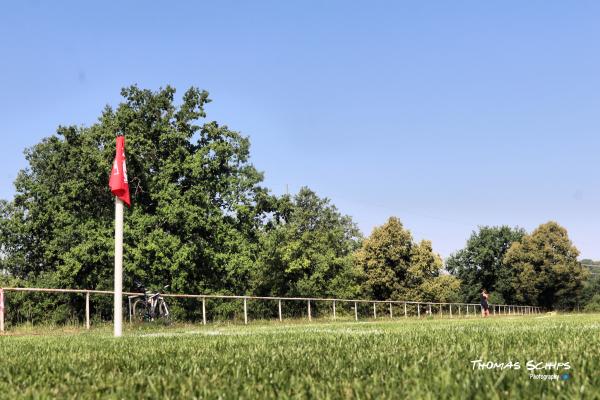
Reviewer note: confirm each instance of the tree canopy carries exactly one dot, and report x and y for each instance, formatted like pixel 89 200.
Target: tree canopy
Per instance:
pixel 307 250
pixel 197 200
pixel 546 270
pixel 481 263
pixel 395 267
pixel 538 269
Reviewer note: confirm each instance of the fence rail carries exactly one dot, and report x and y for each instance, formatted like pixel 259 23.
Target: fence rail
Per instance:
pixel 497 309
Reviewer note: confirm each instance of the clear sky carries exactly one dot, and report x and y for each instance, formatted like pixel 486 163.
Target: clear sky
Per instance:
pixel 447 114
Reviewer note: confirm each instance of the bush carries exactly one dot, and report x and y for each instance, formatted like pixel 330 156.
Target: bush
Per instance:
pixel 593 305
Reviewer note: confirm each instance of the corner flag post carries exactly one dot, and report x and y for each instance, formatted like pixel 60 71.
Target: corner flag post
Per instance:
pixel 120 188
pixel 118 296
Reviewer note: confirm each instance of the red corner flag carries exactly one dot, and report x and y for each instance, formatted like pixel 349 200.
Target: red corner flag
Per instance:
pixel 118 177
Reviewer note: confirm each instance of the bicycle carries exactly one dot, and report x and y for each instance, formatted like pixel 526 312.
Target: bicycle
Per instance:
pixel 149 307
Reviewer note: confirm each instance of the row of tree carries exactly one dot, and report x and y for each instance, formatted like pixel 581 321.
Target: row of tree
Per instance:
pixel 540 268
pixel 202 222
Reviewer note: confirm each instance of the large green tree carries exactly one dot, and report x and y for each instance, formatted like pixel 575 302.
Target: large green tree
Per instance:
pixel 547 272
pixel 481 264
pixel 307 249
pixel 197 203
pixel 395 267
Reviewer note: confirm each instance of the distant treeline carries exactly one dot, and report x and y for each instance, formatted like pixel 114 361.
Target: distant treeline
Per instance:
pixel 202 222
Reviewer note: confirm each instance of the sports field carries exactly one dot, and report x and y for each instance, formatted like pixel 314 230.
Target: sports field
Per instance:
pixel 413 359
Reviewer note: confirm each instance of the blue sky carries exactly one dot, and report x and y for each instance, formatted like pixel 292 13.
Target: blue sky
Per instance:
pixel 446 114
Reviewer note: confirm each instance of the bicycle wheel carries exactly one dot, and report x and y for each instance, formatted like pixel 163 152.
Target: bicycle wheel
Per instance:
pixel 163 311
pixel 140 312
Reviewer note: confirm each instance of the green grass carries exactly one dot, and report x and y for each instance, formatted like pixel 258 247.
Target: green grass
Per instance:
pixel 415 359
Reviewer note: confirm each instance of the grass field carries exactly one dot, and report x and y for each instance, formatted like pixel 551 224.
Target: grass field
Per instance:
pixel 414 359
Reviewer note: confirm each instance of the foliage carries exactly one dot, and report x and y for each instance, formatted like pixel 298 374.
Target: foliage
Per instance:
pixel 395 267
pixel 197 201
pixel 546 270
pixel 442 288
pixel 593 305
pixel 591 287
pixel 481 264
pixel 385 259
pixel 307 250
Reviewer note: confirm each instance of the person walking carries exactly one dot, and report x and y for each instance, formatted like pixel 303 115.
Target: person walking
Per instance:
pixel 485 307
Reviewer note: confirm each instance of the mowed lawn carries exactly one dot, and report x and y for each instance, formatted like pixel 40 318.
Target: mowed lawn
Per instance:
pixel 412 359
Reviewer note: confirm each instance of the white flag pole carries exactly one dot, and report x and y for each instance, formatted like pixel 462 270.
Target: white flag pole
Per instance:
pixel 118 297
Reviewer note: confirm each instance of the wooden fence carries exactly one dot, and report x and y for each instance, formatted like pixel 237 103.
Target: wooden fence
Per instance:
pixel 460 309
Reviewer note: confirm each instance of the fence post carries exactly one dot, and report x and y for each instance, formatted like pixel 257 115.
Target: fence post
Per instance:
pixel 203 310
pixel 1 310
pixel 375 310
pixel 356 311
pixel 441 312
pixel 429 308
pixel 334 309
pixel 279 304
pixel 450 310
pixel 418 310
pixel 130 310
pixel 391 312
pixel 87 310
pixel 245 311
pixel 405 314
pixel 467 310
pixel 309 315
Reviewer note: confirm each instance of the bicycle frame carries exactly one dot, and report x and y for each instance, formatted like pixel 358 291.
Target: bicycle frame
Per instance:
pixel 152 305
